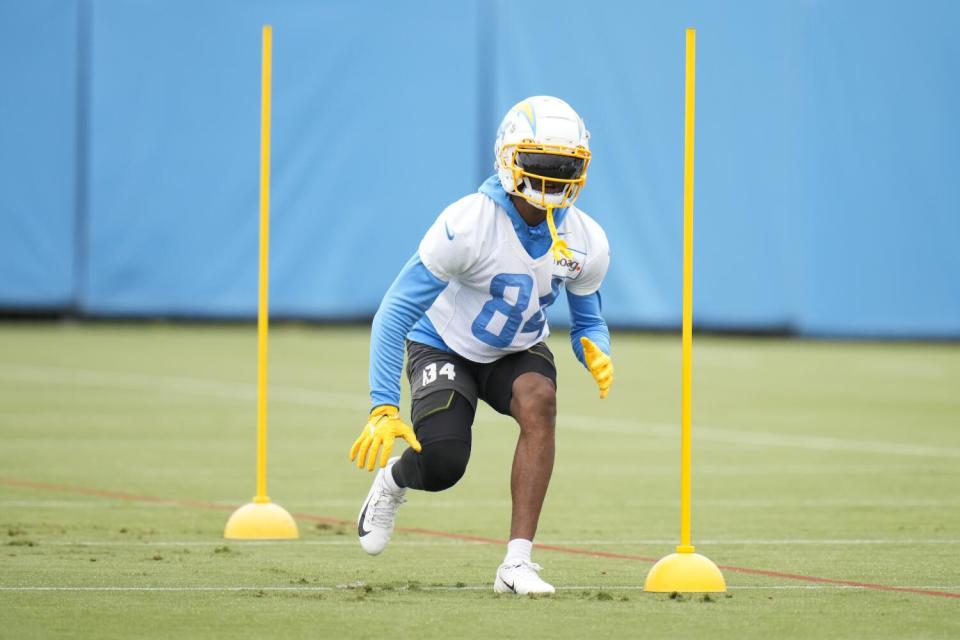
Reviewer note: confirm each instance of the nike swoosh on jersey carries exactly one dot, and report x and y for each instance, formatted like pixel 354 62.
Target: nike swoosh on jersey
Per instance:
pixel 363 516
pixel 447 229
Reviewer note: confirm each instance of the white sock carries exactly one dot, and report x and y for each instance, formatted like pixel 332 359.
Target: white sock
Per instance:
pixel 388 480
pixel 518 550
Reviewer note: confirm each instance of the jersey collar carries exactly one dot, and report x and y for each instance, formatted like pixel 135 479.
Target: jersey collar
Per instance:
pixel 536 240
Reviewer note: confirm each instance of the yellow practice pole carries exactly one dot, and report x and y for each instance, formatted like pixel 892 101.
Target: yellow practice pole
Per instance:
pixel 263 313
pixel 686 571
pixel 262 519
pixel 686 374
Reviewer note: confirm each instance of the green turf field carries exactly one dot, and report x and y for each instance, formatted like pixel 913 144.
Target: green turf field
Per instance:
pixel 122 449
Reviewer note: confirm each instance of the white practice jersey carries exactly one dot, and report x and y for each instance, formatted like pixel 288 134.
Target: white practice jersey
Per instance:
pixel 497 294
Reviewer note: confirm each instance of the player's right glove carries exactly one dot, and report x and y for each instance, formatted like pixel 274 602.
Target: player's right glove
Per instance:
pixel 383 427
pixel 599 365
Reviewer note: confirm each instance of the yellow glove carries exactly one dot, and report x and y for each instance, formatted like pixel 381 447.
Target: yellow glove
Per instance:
pixel 599 365
pixel 383 426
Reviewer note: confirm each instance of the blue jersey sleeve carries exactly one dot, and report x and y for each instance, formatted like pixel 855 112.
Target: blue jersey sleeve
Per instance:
pixel 405 302
pixel 585 320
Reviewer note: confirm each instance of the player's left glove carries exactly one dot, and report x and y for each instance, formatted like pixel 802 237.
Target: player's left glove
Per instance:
pixel 383 427
pixel 599 365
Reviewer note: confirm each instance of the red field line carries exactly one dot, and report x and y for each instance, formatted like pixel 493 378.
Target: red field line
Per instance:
pixel 202 504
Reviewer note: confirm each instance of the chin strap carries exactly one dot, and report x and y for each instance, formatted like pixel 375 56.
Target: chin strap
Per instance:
pixel 559 247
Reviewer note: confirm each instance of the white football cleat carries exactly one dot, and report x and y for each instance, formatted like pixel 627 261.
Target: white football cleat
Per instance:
pixel 521 578
pixel 379 510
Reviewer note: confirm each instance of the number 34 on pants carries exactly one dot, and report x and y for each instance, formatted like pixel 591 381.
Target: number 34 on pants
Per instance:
pixel 430 372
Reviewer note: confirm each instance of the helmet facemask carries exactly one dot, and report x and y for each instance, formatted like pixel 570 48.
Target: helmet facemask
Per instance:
pixel 546 176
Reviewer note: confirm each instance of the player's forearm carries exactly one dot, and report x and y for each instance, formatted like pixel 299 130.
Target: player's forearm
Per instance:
pixel 407 299
pixel 586 321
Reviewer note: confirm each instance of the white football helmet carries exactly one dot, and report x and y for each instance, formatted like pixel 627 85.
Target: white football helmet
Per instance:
pixel 542 152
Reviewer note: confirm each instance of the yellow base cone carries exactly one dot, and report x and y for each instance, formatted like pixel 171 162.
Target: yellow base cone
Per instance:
pixel 685 572
pixel 261 521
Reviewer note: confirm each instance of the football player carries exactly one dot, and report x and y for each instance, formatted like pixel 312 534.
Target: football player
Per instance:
pixel 469 307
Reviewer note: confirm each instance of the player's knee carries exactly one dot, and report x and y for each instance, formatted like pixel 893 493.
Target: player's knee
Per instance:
pixel 534 403
pixel 443 428
pixel 443 463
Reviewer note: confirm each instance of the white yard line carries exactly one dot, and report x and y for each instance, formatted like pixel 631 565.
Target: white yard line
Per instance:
pixel 756 541
pixel 426 504
pixel 57 504
pixel 469 587
pixel 751 438
pixel 203 387
pixel 349 540
pixel 101 504
pixel 760 587
pixel 339 400
pixel 173 589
